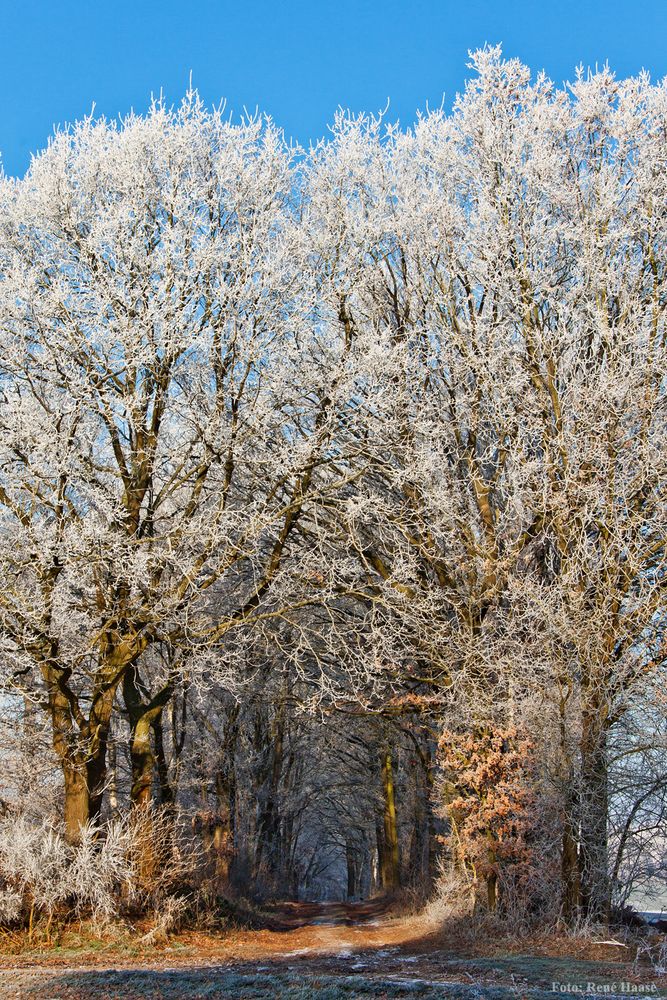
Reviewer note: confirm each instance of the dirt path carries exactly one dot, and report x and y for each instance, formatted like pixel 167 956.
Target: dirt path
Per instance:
pixel 328 951
pixel 290 915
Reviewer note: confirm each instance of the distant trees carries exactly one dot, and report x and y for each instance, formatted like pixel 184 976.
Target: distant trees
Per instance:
pixel 363 445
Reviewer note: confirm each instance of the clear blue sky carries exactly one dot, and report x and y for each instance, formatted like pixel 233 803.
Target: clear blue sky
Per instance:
pixel 294 59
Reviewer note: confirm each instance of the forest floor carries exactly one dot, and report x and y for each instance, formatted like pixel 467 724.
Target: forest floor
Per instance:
pixel 331 952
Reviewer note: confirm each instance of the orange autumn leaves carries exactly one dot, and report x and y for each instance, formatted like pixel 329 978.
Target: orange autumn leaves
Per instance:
pixel 489 795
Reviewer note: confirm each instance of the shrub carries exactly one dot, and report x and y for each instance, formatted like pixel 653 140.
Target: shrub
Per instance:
pixel 490 802
pixel 130 863
pixel 40 872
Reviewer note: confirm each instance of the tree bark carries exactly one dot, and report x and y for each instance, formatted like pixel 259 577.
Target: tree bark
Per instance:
pixel 70 744
pixel 80 740
pixel 113 780
pixel 223 838
pixel 390 873
pixel 593 851
pixel 267 847
pixel 570 871
pixel 143 763
pixel 99 723
pixel 570 876
pixel 76 802
pixel 353 862
pixel 143 715
pixel 492 877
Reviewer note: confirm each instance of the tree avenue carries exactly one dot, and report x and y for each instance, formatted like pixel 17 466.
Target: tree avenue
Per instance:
pixel 332 491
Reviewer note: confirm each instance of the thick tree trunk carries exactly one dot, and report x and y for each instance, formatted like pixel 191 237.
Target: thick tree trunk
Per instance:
pixel 570 876
pixel 267 847
pixel 223 838
pixel 594 808
pixel 143 763
pixel 99 725
pixel 70 749
pixel 80 740
pixel 144 716
pixel 76 801
pixel 84 780
pixel 390 871
pixel 226 791
pixel 492 893
pixel 570 872
pixel 425 847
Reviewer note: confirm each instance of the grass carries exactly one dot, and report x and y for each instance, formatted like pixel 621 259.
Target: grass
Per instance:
pixel 196 984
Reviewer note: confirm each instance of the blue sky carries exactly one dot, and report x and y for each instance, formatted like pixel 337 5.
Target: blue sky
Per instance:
pixel 296 60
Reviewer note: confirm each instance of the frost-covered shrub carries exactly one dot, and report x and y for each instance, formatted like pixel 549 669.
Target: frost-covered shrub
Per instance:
pixel 11 905
pixel 34 864
pixel 40 871
pixel 102 868
pixel 134 862
pixel 168 914
pixel 453 896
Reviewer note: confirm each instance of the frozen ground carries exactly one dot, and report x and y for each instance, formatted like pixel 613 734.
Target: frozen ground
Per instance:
pixel 333 952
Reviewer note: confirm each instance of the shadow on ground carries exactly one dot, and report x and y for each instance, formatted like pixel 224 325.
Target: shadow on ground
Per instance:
pixel 384 974
pixel 193 984
pixel 339 951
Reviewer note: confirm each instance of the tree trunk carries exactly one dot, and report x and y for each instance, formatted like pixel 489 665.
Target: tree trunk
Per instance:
pixel 113 780
pixel 143 715
pixel 353 861
pixel 167 796
pixel 492 877
pixel 67 745
pixel 377 869
pixel 267 847
pixel 571 881
pixel 492 892
pixel 419 871
pixel 84 774
pixel 77 800
pixel 143 763
pixel 96 768
pixel 80 741
pixel 223 840
pixel 593 853
pixel 390 856
pixel 570 873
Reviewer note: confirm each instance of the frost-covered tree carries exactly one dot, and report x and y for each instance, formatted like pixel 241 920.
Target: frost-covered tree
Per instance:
pixel 383 424
pixel 502 270
pixel 156 437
